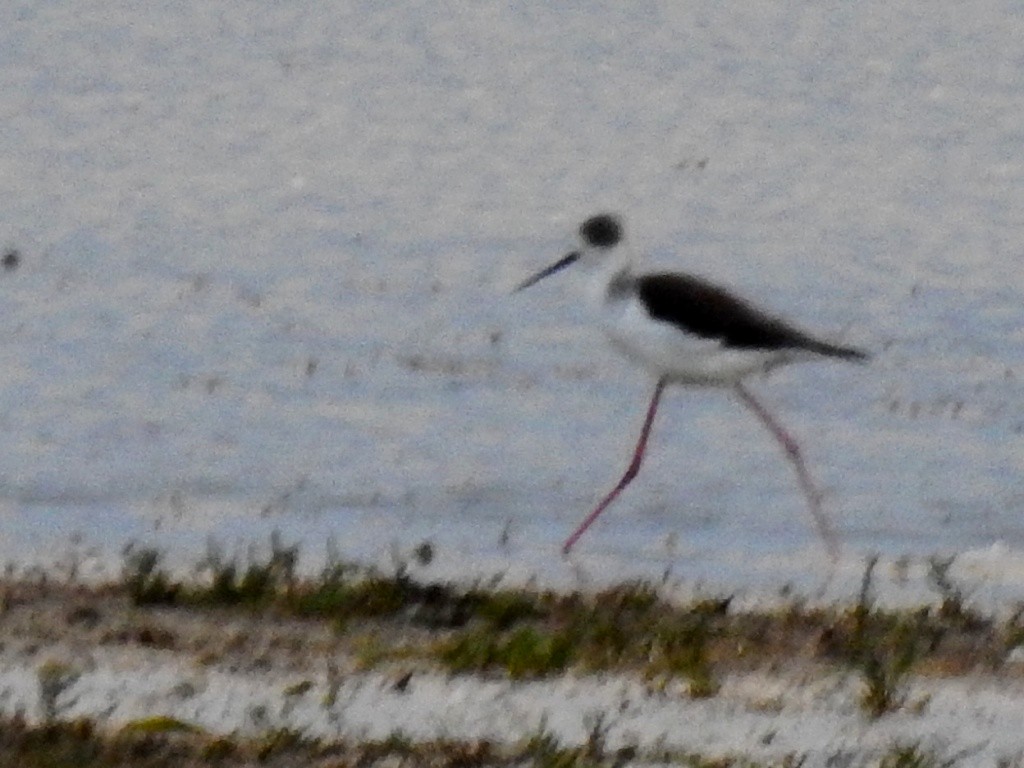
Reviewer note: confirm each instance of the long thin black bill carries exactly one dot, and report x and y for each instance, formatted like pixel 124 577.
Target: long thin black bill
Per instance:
pixel 562 263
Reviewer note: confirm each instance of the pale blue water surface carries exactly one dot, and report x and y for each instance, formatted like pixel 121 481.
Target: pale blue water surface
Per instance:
pixel 267 253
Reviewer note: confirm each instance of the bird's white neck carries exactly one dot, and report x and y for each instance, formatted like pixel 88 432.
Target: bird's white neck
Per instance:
pixel 607 269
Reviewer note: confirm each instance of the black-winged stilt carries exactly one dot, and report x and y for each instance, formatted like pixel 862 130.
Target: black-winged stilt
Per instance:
pixel 688 331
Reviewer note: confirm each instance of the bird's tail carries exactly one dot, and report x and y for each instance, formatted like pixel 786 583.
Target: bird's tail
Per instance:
pixel 842 353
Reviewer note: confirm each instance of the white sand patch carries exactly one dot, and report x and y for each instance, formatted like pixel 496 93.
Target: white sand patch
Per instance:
pixel 755 715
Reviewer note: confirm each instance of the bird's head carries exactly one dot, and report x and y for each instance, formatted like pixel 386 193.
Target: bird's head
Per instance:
pixel 598 235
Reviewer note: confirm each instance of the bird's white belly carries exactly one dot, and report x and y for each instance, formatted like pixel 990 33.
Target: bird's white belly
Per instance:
pixel 668 351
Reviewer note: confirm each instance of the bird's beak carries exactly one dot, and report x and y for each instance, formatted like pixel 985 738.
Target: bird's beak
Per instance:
pixel 562 263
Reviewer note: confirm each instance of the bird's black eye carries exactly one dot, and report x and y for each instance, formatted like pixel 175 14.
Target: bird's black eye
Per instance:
pixel 601 231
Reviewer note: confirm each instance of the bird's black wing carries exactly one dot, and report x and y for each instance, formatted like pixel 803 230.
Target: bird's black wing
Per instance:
pixel 704 309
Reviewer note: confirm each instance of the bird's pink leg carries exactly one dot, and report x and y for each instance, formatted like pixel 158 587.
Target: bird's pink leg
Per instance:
pixel 810 490
pixel 631 470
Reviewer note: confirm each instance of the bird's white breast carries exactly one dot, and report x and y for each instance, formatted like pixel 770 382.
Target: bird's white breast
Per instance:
pixel 669 351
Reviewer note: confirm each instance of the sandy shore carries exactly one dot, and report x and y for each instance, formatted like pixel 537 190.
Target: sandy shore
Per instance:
pixel 94 654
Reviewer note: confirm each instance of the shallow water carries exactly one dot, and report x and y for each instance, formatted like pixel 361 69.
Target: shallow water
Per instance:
pixel 267 260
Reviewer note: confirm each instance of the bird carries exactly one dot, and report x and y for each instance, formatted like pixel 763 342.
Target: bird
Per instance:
pixel 689 331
